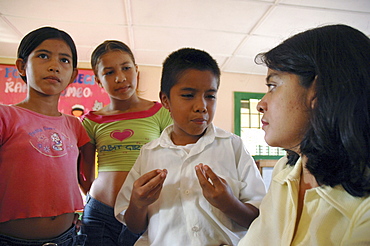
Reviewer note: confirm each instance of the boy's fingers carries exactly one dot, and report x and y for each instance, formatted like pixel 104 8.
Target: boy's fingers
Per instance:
pixel 152 187
pixel 157 189
pixel 211 175
pixel 155 181
pixel 147 177
pixel 202 176
pixel 199 173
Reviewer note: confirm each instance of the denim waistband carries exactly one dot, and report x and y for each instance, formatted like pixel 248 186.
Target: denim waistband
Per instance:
pixel 69 237
pixel 95 204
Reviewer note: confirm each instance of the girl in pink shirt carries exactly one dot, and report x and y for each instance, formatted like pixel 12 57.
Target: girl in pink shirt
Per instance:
pixel 39 147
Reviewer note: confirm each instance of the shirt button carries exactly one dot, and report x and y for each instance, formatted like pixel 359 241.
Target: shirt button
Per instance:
pixel 187 192
pixel 195 228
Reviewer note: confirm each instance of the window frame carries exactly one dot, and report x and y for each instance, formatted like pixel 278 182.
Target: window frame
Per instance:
pixel 238 97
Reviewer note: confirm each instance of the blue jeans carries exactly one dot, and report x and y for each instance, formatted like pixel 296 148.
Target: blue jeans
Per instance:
pixel 102 228
pixel 68 238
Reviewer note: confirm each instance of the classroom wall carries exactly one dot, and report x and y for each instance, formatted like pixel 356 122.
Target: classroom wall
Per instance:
pixel 149 85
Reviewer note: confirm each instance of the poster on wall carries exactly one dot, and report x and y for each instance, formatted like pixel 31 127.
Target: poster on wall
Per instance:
pixel 83 91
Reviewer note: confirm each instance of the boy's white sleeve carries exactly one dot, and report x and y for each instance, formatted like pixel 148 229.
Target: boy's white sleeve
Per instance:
pixel 123 197
pixel 253 188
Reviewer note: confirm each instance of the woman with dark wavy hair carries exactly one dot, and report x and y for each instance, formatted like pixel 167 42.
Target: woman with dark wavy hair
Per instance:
pixel 317 108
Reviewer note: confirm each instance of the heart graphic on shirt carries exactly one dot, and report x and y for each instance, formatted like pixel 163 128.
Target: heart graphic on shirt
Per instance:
pixel 121 135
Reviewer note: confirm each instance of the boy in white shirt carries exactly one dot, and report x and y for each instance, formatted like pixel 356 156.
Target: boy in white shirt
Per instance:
pixel 196 184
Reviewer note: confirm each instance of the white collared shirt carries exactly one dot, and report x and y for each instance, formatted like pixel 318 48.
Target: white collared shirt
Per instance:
pixel 181 215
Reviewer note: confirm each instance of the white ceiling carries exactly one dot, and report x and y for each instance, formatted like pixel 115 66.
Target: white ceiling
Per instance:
pixel 232 31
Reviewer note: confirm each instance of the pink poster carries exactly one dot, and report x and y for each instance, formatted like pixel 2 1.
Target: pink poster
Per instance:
pixel 83 90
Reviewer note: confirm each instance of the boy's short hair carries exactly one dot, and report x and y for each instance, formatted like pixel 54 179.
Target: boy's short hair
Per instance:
pixel 183 59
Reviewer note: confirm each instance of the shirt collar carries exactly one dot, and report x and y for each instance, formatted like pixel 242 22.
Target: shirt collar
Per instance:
pixel 335 196
pixel 289 173
pixel 339 198
pixel 211 133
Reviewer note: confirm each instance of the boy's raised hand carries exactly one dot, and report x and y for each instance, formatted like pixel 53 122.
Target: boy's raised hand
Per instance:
pixel 147 188
pixel 215 189
pixel 219 194
pixel 145 191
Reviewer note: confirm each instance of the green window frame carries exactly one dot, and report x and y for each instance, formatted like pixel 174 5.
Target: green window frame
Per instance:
pixel 239 97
